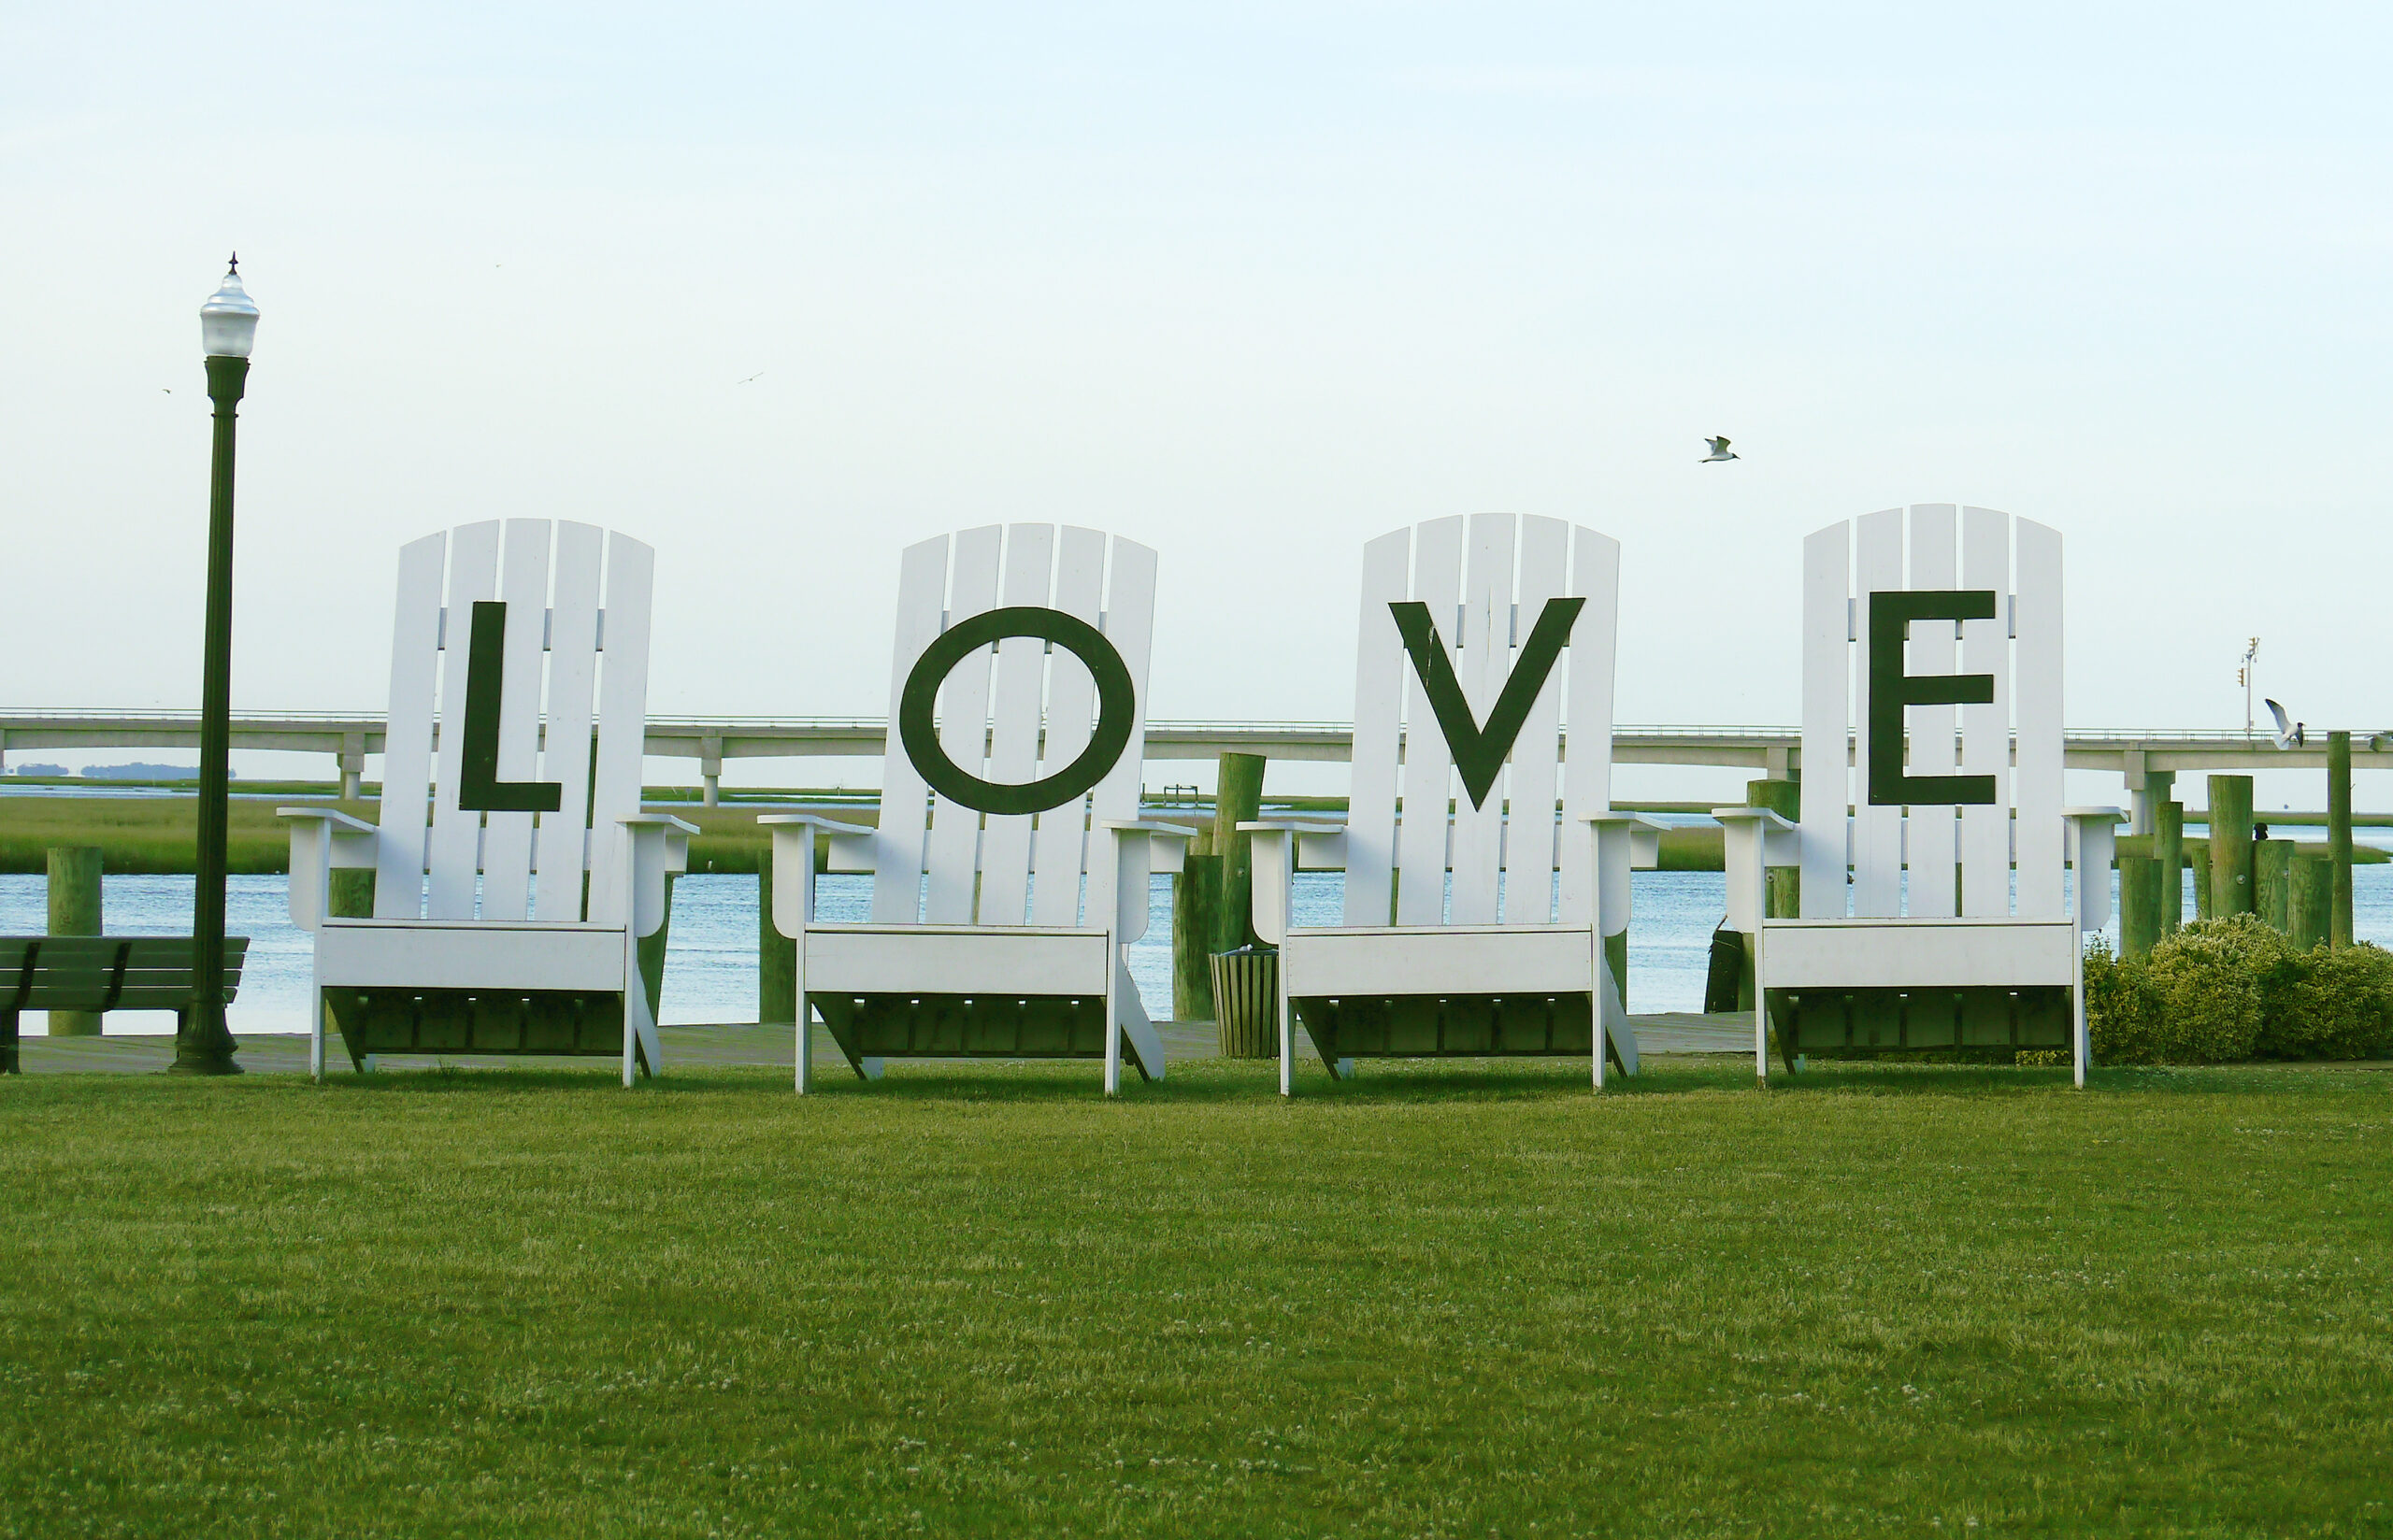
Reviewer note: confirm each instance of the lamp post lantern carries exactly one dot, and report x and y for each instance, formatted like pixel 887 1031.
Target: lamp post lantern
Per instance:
pixel 228 325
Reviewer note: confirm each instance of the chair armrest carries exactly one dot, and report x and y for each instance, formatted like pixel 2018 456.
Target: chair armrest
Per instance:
pixel 1172 856
pixel 338 822
pixel 321 840
pixel 1645 837
pixel 829 826
pixel 2092 837
pixel 1319 847
pixel 1752 840
pixel 686 828
pixel 793 841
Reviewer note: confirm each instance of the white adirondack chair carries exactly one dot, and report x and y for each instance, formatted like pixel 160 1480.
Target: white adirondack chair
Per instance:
pixel 1505 959
pixel 481 938
pixel 998 920
pixel 1969 951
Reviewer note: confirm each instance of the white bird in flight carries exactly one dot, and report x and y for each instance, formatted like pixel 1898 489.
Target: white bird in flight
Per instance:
pixel 1719 452
pixel 2289 733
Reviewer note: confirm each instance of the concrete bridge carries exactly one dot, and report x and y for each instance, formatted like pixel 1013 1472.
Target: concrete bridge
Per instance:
pixel 2147 759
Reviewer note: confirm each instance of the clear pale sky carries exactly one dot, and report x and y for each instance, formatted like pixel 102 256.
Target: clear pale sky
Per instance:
pixel 1250 284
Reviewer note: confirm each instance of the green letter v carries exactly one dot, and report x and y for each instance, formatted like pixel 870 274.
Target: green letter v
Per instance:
pixel 1480 751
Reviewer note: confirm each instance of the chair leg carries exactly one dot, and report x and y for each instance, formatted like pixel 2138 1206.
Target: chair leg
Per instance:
pixel 8 1062
pixel 316 1034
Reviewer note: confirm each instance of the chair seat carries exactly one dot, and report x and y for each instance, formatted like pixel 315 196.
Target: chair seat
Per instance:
pixel 1400 960
pixel 962 960
pixel 470 954
pixel 1909 954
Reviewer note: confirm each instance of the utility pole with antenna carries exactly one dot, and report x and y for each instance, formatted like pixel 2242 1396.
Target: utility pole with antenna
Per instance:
pixel 2243 678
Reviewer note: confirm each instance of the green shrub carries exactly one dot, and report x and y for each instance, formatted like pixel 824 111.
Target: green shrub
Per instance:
pixel 2233 988
pixel 2341 1008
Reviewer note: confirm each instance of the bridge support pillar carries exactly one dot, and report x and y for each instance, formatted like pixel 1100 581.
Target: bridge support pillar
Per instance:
pixel 2147 789
pixel 710 766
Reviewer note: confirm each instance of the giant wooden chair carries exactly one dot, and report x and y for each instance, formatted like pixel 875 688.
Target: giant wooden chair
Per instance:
pixel 1496 928
pixel 1932 772
pixel 1010 867
pixel 510 923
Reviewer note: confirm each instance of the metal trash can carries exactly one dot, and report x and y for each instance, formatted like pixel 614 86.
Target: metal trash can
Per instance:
pixel 1246 994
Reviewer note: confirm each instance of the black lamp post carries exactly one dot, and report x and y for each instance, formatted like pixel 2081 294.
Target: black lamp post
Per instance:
pixel 228 324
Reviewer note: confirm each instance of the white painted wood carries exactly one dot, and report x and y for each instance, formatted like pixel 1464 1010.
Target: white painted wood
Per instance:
pixel 1440 960
pixel 957 959
pixel 900 843
pixel 1136 1032
pixel 2093 844
pixel 1129 625
pixel 1920 953
pixel 1060 847
pixel 1481 649
pixel 1932 840
pixel 469 954
pixel 456 833
pixel 2037 794
pixel 1535 776
pixel 1986 730
pixel 1017 721
pixel 1827 784
pixel 952 864
pixel 562 845
pixel 1587 773
pixel 507 837
pixel 407 752
pixel 623 721
pixel 1423 824
pixel 1380 675
pixel 1877 830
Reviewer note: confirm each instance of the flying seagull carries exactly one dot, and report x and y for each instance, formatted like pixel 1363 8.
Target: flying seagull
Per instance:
pixel 752 378
pixel 2290 734
pixel 1719 452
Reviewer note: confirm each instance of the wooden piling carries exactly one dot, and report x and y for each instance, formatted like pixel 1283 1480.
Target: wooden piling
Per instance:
pixel 1238 797
pixel 2338 833
pixel 2230 846
pixel 2312 909
pixel 1195 894
pixel 2140 881
pixel 2272 882
pixel 1781 886
pixel 350 895
pixel 2168 848
pixel 74 910
pixel 775 954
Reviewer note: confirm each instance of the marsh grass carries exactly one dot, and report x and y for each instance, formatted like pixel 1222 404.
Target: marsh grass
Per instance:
pixel 1452 1300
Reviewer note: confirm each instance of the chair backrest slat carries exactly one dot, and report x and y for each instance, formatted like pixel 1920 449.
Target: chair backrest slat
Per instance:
pixel 1986 728
pixel 1060 850
pixel 456 833
pixel 1017 711
pixel 1536 777
pixel 1932 839
pixel 952 863
pixel 506 836
pixel 623 723
pixel 1486 583
pixel 1423 831
pixel 899 842
pixel 562 841
pixel 1380 675
pixel 1592 654
pixel 1934 548
pixel 1482 643
pixel 1877 830
pixel 2037 783
pixel 557 582
pixel 1130 626
pixel 407 743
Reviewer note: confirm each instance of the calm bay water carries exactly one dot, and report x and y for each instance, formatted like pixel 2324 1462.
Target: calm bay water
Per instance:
pixel 711 962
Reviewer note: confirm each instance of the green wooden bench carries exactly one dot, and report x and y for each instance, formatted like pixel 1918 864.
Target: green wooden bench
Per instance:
pixel 101 973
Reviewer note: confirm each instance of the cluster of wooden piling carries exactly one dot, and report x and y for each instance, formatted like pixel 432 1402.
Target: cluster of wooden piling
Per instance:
pixel 2307 896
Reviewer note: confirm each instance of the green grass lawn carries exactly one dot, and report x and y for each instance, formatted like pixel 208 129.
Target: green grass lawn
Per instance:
pixel 1465 1301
